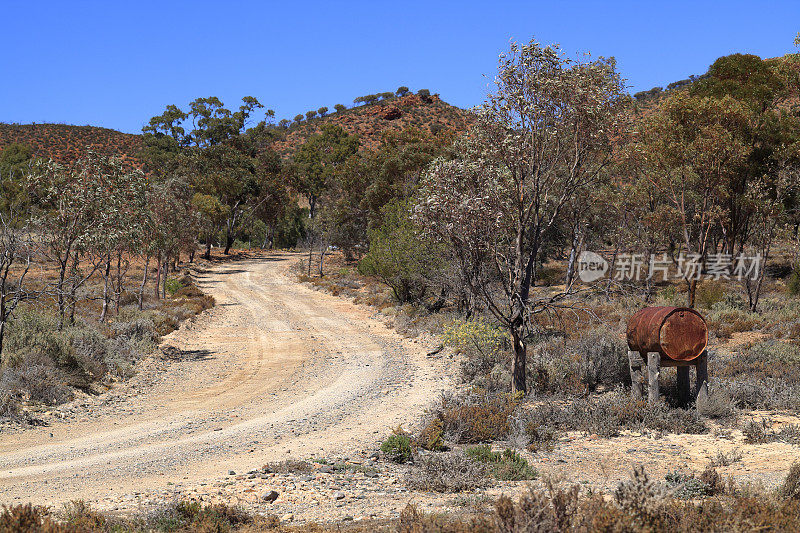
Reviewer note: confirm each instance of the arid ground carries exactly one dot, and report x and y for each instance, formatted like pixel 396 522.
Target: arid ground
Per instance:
pixel 277 371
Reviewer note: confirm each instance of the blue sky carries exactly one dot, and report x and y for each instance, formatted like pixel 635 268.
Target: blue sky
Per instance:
pixel 115 64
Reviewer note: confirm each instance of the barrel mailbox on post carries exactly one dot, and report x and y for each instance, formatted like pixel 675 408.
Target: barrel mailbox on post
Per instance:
pixel 667 336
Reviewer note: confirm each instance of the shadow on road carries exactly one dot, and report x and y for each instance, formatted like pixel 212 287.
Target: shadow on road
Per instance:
pixel 173 353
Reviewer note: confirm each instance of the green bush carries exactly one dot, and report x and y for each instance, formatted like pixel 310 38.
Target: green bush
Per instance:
pixel 686 486
pixel 397 447
pixel 793 283
pixel 291 227
pixel 399 256
pixel 507 465
pixel 173 285
pixel 709 293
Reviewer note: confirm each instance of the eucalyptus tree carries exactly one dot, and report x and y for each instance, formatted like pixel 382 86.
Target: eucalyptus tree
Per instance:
pixel 15 161
pixel 221 153
pixel 17 255
pixel 540 139
pixel 318 158
pixel 68 201
pixel 313 171
pixel 117 225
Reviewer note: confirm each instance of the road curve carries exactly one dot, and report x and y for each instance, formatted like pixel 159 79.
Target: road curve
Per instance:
pixel 275 370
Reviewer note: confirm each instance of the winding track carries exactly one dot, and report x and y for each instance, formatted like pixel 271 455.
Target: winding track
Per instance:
pixel 277 370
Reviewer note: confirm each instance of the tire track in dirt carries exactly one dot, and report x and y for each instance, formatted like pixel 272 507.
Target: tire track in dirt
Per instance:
pixel 279 370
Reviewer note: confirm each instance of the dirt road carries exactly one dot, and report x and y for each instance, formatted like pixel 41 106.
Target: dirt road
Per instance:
pixel 275 370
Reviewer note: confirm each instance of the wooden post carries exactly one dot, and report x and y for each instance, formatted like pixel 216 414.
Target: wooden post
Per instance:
pixel 701 387
pixel 637 374
pixel 653 362
pixel 683 385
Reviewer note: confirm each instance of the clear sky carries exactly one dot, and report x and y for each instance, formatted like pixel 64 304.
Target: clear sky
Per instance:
pixel 116 63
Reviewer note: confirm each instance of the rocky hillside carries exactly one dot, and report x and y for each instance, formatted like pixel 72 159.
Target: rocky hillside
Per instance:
pixel 64 143
pixel 370 122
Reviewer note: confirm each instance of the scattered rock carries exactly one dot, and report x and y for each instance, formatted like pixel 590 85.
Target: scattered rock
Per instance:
pixel 270 496
pixel 231 473
pixel 339 495
pixel 288 517
pixel 392 113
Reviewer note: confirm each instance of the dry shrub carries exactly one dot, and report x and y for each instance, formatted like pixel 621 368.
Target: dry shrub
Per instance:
pixel 42 363
pixel 688 487
pixel 28 518
pixel 712 480
pixel 757 432
pixel 643 498
pixel 640 505
pixel 761 432
pixel 606 416
pixel 731 315
pixel 580 363
pixel 414 521
pixel 290 466
pixel 35 382
pixel 9 405
pixel 555 509
pixel 446 472
pixel 473 418
pixel 716 404
pixel 431 437
pixel 765 375
pixel 78 515
pixel 726 459
pixel 790 488
pixel 188 291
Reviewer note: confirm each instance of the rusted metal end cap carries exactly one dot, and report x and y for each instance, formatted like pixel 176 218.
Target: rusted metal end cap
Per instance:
pixel 678 333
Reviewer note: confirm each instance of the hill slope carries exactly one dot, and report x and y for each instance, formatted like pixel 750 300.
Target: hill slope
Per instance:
pixel 370 122
pixel 64 143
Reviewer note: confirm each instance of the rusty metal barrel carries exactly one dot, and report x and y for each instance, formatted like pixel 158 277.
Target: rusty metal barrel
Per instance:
pixel 677 333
